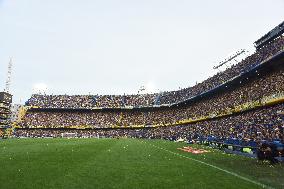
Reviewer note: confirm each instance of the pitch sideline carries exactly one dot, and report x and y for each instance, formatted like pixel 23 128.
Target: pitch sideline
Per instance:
pixel 213 166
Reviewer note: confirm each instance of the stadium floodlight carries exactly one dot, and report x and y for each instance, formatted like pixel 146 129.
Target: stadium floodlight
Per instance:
pixel 270 36
pixel 229 59
pixel 149 87
pixel 8 79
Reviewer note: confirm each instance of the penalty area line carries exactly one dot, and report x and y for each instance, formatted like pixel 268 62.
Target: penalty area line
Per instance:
pixel 215 167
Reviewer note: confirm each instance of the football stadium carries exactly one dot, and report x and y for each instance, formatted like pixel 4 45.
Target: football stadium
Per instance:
pixel 226 131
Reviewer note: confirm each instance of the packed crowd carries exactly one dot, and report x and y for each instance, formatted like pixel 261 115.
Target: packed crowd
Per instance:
pixel 246 128
pixel 1 132
pixel 91 101
pixel 62 101
pixel 252 91
pixel 141 100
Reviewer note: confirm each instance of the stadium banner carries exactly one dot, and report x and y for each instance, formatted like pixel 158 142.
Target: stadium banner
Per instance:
pixel 193 150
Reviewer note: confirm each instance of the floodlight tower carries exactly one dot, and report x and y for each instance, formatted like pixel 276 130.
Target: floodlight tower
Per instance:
pixel 5 105
pixel 8 79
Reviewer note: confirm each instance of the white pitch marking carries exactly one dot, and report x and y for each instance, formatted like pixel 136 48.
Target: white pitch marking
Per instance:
pixel 215 167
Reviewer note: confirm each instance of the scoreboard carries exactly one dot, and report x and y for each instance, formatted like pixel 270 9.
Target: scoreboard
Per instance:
pixel 5 98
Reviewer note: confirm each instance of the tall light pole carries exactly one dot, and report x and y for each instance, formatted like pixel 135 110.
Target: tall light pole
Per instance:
pixel 9 73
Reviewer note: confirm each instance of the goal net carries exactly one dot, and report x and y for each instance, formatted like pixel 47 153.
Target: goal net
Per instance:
pixel 68 135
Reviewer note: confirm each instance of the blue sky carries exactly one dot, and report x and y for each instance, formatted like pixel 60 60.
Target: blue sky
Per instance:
pixel 114 47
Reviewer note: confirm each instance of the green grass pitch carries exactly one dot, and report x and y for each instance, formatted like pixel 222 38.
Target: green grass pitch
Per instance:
pixel 126 163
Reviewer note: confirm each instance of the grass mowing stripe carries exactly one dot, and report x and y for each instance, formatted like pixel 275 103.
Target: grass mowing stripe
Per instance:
pixel 215 167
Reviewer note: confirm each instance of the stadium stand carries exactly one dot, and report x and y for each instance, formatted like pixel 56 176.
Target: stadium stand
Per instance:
pixel 113 101
pixel 256 89
pixel 5 113
pixel 239 107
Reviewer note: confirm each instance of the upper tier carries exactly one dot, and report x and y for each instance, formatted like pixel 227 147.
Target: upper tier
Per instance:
pixel 150 100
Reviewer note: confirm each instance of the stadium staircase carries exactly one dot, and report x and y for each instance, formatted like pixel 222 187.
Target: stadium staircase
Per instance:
pixel 157 99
